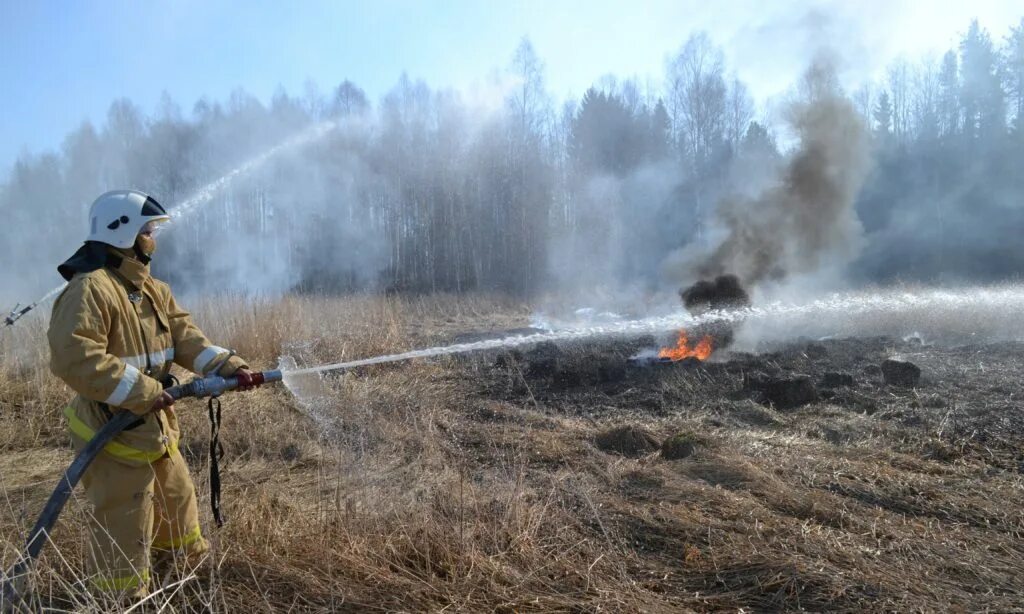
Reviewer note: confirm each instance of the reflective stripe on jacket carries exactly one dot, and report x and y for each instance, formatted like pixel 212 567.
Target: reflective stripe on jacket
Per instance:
pixel 115 448
pixel 113 335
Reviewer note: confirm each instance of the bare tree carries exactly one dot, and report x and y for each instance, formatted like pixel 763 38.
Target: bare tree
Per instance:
pixel 528 100
pixel 697 97
pixel 925 96
pixel 83 174
pixel 349 99
pixel 949 96
pixel 863 100
pixel 629 93
pixel 899 95
pixel 314 99
pixel 740 109
pixel 526 194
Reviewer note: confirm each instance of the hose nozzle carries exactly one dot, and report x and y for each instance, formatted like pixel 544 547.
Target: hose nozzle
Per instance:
pixel 215 385
pixel 16 314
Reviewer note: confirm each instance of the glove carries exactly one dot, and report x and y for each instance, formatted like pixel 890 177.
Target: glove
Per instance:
pixel 164 401
pixel 245 380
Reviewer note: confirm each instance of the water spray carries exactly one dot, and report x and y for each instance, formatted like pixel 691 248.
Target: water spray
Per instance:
pixel 19 311
pixel 1004 300
pixel 207 192
pixel 203 195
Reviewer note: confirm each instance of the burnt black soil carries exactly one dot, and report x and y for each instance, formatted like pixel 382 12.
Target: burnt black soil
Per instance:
pixel 866 496
pixel 969 396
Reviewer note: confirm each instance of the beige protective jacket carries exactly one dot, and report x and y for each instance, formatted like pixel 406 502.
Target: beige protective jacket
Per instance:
pixel 113 335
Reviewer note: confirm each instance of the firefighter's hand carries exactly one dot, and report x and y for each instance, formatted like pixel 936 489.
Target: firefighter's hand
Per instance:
pixel 245 379
pixel 164 401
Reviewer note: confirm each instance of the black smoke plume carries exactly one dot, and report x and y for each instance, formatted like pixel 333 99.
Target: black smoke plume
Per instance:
pixel 723 292
pixel 806 219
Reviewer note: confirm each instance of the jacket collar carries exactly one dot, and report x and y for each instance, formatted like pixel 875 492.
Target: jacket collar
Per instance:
pixel 124 263
pixel 89 257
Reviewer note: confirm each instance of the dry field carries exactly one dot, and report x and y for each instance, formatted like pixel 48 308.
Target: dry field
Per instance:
pixel 491 482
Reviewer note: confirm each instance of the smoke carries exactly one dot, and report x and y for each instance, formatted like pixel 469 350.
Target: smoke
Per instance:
pixel 626 194
pixel 624 226
pixel 805 219
pixel 294 223
pixel 724 292
pixel 301 195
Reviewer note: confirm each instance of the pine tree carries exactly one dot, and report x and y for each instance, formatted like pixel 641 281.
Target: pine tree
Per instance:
pixel 883 115
pixel 949 96
pixel 1013 60
pixel 660 132
pixel 981 92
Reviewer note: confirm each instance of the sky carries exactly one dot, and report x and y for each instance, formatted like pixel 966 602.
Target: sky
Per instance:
pixel 63 62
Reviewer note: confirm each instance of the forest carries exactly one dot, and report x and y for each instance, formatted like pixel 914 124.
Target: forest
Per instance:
pixel 435 190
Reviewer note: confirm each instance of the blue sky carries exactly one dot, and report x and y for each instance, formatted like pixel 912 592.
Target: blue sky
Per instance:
pixel 63 62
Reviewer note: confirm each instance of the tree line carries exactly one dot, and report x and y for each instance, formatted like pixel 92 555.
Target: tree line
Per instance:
pixel 428 190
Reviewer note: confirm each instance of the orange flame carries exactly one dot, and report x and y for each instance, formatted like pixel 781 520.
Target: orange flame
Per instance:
pixel 682 350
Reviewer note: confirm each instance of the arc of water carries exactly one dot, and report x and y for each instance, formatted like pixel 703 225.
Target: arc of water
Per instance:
pixel 204 195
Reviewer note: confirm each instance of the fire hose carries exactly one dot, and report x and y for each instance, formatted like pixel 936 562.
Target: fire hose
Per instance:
pixel 17 313
pixel 211 387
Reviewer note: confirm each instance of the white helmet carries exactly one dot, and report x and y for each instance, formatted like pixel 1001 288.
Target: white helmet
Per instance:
pixel 117 217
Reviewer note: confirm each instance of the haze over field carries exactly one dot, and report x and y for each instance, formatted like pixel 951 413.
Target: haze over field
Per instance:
pixel 843 160
pixel 559 306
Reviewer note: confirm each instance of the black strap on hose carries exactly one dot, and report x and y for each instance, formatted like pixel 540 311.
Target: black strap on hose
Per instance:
pixel 216 454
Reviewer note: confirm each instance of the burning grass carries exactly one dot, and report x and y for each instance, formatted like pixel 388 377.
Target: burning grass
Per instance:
pixel 476 483
pixel 682 350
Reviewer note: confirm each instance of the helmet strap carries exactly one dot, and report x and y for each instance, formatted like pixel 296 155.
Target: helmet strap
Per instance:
pixel 140 255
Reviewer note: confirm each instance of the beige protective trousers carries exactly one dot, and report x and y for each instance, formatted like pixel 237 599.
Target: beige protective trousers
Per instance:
pixel 139 507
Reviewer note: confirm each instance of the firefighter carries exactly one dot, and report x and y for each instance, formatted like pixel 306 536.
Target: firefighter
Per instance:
pixel 114 333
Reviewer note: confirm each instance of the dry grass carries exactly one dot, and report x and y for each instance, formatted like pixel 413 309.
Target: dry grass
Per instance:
pixel 457 486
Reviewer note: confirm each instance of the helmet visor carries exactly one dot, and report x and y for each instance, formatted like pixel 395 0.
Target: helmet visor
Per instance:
pixel 151 226
pixel 151 208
